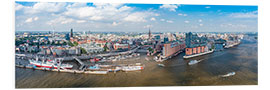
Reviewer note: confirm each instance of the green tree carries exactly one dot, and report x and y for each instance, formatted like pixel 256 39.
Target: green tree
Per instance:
pixel 70 44
pixel 150 49
pixel 83 50
pixel 75 43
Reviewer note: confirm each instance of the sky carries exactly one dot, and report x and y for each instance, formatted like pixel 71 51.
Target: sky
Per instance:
pixel 128 17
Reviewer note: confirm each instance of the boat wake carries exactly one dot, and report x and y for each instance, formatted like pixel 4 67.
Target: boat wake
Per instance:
pixel 228 74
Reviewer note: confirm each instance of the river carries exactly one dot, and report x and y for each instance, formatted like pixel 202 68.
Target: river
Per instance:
pixel 241 59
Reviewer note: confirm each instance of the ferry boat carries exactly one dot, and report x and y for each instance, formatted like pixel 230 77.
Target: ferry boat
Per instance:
pixel 96 72
pixel 232 45
pixel 50 64
pixel 161 65
pixel 132 68
pixel 95 67
pixel 229 74
pixel 30 66
pixel 192 62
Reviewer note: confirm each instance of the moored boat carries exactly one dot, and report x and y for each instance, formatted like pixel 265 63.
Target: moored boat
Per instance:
pixel 96 72
pixel 132 68
pixel 228 74
pixel 192 62
pixel 50 64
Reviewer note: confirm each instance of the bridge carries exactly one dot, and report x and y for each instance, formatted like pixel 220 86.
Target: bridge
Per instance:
pixel 83 66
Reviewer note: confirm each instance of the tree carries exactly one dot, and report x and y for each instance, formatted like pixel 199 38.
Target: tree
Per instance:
pixel 75 43
pixel 83 50
pixel 150 49
pixel 64 43
pixel 70 44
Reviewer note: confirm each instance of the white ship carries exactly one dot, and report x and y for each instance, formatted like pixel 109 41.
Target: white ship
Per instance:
pixel 132 68
pixel 192 62
pixel 50 64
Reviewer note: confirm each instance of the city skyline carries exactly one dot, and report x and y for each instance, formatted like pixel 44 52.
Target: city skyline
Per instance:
pixel 111 17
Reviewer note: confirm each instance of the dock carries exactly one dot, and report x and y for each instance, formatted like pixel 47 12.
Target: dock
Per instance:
pixel 82 65
pixel 195 55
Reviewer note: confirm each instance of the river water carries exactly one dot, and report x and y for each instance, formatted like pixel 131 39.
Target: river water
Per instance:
pixel 241 59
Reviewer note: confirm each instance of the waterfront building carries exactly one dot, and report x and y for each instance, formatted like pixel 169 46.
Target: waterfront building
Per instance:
pixel 166 39
pixel 170 48
pixel 219 44
pixel 195 44
pixel 119 46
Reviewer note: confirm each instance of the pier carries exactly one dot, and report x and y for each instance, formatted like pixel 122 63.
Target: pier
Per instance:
pixel 82 65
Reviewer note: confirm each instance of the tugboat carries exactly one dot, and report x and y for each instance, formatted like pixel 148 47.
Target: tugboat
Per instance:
pixel 192 62
pixel 228 74
pixel 161 65
pixel 136 67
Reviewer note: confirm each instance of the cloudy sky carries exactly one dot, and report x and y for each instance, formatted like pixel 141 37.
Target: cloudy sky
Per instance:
pixel 61 16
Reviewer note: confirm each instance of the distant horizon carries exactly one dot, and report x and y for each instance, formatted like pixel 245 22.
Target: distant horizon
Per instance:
pixel 129 17
pixel 135 32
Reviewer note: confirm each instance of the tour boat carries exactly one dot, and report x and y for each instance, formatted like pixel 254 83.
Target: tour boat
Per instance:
pixel 192 62
pixel 228 74
pixel 50 64
pixel 132 68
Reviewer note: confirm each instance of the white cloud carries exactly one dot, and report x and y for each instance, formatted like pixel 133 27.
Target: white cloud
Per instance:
pixel 105 5
pixel 162 19
pixel 67 21
pixel 115 24
pixel 76 5
pixel 61 20
pixel 81 12
pixel 181 14
pixel 105 11
pixel 71 13
pixel 81 21
pixel 153 19
pixel 169 21
pixel 171 7
pixel 36 18
pixel 253 14
pixel 18 6
pixel 148 26
pixel 124 8
pixel 29 20
pixel 138 17
pixel 200 20
pixel 42 7
pixel 201 24
pixel 135 18
pixel 186 21
pixel 96 17
pixel 237 26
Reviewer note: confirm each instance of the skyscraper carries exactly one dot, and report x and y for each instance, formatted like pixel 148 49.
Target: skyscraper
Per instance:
pixel 149 36
pixel 71 32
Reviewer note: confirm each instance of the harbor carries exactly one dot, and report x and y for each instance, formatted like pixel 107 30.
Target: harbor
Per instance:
pixel 240 59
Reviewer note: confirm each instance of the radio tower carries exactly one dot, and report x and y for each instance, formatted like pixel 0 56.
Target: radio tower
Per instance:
pixel 149 34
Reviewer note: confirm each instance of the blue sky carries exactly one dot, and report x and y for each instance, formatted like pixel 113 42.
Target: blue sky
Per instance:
pixel 119 17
